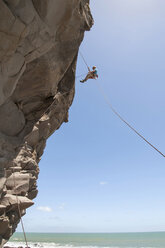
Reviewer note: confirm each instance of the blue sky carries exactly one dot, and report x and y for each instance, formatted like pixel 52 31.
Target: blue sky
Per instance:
pixel 96 175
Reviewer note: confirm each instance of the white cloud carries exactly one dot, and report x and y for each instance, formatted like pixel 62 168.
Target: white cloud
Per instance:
pixel 45 209
pixel 103 183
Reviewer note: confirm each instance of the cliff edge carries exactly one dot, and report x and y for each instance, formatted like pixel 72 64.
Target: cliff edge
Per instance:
pixel 39 42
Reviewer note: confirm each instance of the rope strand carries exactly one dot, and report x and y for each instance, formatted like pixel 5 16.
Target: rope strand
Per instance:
pixel 84 61
pixel 19 211
pixel 123 120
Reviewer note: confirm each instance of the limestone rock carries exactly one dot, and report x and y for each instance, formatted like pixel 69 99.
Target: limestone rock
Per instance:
pixel 33 138
pixel 14 120
pixel 18 183
pixel 10 202
pixel 39 43
pixel 2 209
pixel 4 225
pixel 2 184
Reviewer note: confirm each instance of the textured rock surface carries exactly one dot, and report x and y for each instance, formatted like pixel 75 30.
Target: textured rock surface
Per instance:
pixel 39 42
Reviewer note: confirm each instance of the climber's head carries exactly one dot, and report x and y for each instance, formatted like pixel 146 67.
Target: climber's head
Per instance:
pixel 94 67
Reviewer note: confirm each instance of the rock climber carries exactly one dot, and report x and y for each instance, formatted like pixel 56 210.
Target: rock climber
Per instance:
pixel 91 75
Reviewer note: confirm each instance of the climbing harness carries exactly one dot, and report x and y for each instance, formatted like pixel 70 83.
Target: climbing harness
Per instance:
pixel 118 115
pixel 19 211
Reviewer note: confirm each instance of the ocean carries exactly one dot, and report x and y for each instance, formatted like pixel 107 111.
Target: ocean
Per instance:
pixel 90 240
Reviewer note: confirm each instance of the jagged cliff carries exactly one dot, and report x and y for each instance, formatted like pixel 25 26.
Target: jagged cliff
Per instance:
pixel 39 42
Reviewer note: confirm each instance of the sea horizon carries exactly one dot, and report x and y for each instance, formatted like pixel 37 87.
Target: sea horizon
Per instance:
pixel 90 240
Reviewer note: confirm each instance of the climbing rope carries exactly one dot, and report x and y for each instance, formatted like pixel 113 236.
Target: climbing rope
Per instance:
pixel 84 61
pixel 122 119
pixel 19 210
pixel 118 115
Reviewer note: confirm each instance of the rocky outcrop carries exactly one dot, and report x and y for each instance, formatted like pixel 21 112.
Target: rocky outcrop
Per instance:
pixel 39 42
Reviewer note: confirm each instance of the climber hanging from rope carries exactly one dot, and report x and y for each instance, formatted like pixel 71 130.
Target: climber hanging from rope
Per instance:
pixel 91 74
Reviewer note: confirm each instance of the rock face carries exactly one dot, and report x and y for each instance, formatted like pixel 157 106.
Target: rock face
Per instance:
pixel 39 42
